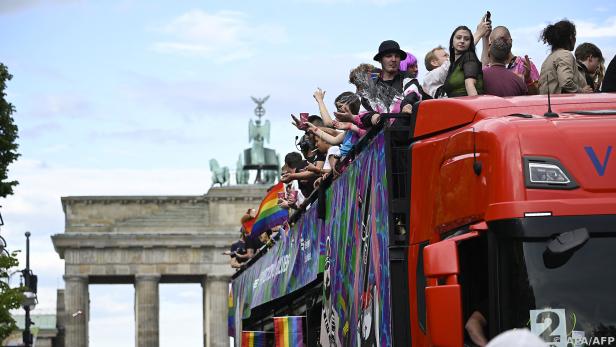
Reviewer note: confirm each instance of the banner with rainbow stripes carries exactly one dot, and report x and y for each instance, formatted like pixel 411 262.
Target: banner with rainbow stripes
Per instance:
pixel 230 314
pixel 254 339
pixel 288 331
pixel 269 214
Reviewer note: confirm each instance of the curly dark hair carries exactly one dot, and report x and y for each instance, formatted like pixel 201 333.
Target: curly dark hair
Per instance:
pixel 559 35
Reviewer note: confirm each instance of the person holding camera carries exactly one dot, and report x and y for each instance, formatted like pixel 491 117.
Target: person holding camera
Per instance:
pixel 238 252
pixel 296 170
pixel 292 197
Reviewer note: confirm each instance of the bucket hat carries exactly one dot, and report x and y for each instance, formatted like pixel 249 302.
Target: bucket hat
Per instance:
pixel 389 46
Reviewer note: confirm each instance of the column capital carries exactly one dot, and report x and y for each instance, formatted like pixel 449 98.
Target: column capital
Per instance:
pixel 75 278
pixel 147 277
pixel 218 278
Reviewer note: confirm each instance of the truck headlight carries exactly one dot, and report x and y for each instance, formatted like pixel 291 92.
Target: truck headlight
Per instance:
pixel 547 173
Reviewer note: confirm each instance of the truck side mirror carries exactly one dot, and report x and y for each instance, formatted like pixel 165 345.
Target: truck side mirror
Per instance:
pixel 443 292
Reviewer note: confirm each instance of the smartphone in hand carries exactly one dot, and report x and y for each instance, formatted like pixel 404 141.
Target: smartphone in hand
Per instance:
pixel 488 17
pixel 300 124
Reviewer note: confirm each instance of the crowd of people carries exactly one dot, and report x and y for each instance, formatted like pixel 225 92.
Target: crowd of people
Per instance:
pixel 392 86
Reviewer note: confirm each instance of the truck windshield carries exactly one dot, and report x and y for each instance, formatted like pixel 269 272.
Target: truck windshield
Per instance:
pixel 567 299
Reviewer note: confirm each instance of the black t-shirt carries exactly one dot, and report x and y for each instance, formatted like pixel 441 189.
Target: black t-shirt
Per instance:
pixel 609 82
pixel 238 247
pixel 320 156
pixel 396 82
pixel 252 242
pixel 307 186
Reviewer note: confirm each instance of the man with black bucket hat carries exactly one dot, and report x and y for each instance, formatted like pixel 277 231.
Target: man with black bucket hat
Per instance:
pixel 389 56
pixel 407 90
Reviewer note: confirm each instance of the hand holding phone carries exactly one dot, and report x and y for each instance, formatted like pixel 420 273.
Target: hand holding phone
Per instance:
pixel 293 196
pixel 298 123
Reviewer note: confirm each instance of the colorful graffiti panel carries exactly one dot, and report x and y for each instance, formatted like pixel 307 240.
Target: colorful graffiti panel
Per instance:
pixel 356 302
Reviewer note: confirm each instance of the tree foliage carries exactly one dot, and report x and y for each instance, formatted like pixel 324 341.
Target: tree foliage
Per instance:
pixel 10 298
pixel 8 135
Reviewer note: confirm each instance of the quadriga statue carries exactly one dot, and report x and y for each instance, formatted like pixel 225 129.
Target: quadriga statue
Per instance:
pixel 220 175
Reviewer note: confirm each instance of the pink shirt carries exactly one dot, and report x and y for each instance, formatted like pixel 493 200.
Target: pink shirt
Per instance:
pixel 517 67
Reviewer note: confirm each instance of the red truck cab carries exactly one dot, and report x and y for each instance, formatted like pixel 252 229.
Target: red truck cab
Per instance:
pixel 513 213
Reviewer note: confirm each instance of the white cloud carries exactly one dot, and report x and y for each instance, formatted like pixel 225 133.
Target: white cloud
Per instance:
pixel 222 36
pixel 67 104
pixel 371 2
pixel 181 317
pixel 112 310
pixel 602 9
pixel 526 39
pixel 112 299
pixel 587 29
pixel 7 6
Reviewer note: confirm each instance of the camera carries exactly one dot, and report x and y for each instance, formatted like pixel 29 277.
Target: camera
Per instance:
pixel 488 17
pixel 305 143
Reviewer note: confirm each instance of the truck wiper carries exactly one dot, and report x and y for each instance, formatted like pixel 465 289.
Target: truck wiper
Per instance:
pixel 561 248
pixel 594 113
pixel 521 115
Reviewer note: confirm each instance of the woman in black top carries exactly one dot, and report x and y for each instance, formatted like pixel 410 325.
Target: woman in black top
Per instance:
pixel 465 76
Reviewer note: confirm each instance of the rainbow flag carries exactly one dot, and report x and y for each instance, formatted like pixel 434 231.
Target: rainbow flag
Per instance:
pixel 253 339
pixel 269 214
pixel 230 314
pixel 288 331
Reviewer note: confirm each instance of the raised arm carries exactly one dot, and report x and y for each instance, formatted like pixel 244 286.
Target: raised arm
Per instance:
pixel 303 175
pixel 319 96
pixel 484 28
pixel 333 140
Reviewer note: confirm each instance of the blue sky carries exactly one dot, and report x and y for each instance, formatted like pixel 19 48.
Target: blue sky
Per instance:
pixel 134 97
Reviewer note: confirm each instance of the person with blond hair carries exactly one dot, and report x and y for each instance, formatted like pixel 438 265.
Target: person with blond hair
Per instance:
pixel 437 63
pixel 589 60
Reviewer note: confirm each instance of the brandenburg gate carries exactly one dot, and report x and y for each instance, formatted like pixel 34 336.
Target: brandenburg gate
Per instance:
pixel 148 240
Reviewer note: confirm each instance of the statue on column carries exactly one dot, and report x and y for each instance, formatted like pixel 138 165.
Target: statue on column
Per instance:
pixel 258 157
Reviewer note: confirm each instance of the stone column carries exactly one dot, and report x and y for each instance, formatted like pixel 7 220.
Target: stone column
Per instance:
pixel 76 304
pixel 61 317
pixel 146 310
pixel 204 309
pixel 216 310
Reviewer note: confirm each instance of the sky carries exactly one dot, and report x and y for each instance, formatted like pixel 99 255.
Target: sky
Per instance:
pixel 134 97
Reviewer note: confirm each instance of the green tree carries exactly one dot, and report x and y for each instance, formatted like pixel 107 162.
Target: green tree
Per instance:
pixel 8 135
pixel 10 298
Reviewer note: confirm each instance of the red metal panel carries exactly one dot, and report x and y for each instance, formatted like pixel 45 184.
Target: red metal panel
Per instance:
pixel 444 306
pixel 441 258
pixel 569 207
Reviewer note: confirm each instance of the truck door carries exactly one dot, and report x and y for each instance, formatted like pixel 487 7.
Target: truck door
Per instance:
pixel 456 276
